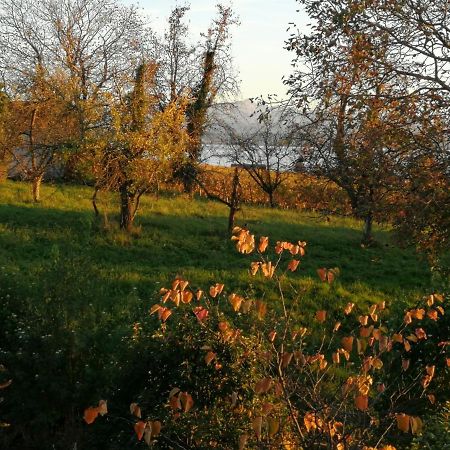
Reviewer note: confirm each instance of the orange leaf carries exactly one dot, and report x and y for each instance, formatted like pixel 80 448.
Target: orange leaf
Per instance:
pixel 347 343
pixel 268 269
pixel 201 313
pixel 402 422
pixel 154 309
pixel 257 425
pixel 186 296
pixel 292 266
pixel 337 325
pixel 90 414
pixel 263 386
pixel 274 426
pixel 198 294
pixel 186 401
pixel 165 314
pixel 416 425
pixel 362 402
pixel 156 428
pixel 254 267
pixel 242 442
pixel 272 335
pixel 363 320
pixel 210 356
pixel 263 243
pixel 321 315
pixel 322 272
pixel 261 309
pixel 286 359
pixel 139 428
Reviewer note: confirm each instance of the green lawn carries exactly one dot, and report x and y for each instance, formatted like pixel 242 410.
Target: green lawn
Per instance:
pixel 71 287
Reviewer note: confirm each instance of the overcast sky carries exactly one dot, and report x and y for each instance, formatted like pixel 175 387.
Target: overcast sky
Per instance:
pixel 258 42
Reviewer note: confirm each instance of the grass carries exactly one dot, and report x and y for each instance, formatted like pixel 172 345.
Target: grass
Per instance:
pixel 72 286
pixel 180 236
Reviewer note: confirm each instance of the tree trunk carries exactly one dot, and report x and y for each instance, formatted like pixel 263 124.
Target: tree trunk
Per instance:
pixel 231 218
pixel 126 208
pixel 367 231
pixel 271 201
pixel 36 186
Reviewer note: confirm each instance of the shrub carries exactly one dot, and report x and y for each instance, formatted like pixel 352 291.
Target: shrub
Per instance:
pixel 226 370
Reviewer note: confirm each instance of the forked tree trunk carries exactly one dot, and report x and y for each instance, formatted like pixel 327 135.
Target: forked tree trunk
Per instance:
pixel 36 187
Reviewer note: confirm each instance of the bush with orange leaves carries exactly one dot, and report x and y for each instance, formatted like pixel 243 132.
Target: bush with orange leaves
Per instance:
pixel 234 371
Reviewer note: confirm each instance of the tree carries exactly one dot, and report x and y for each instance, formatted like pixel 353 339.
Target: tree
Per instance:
pixel 361 120
pixel 4 118
pixel 416 31
pixel 226 188
pixel 39 130
pixel 142 143
pixel 92 43
pixel 202 71
pixel 265 153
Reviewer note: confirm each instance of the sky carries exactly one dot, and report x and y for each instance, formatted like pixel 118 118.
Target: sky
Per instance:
pixel 257 43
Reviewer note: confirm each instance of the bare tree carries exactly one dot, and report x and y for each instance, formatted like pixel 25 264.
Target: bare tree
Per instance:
pixel 265 153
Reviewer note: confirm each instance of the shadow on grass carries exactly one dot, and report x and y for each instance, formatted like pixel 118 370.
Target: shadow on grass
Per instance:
pixel 172 244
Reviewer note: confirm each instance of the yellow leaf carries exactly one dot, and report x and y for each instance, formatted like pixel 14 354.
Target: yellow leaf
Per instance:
pixel 235 301
pixel 274 426
pixel 416 425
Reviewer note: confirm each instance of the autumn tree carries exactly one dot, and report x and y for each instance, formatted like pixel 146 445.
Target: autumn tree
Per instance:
pixel 4 118
pixel 360 120
pixel 141 144
pixel 93 43
pixel 201 70
pixel 40 129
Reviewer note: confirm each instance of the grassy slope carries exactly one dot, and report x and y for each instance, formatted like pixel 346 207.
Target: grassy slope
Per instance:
pixel 181 237
pixel 70 290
